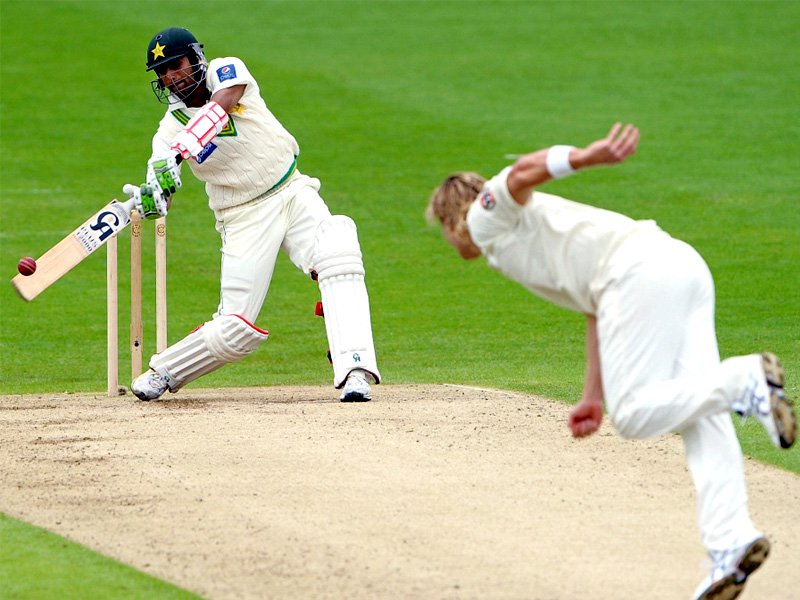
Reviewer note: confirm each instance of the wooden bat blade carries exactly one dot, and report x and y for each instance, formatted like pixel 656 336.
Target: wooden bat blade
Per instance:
pixel 61 258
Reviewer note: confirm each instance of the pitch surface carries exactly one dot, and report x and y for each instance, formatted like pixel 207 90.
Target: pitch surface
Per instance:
pixel 426 492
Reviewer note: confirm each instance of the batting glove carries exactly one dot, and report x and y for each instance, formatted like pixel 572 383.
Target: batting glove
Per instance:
pixel 164 175
pixel 149 203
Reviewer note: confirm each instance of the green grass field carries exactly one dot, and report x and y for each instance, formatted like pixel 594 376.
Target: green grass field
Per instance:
pixel 386 98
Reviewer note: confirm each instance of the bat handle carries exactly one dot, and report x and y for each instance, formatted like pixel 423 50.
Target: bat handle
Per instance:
pixel 129 189
pixel 129 205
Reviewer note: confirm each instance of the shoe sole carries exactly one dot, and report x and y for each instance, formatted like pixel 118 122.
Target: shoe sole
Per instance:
pixel 782 409
pixel 731 586
pixel 355 397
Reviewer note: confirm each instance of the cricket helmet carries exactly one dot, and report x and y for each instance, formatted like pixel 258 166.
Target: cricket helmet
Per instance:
pixel 168 45
pixel 172 43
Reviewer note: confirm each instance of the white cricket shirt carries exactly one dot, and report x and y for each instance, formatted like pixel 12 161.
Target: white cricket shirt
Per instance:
pixel 556 248
pixel 250 156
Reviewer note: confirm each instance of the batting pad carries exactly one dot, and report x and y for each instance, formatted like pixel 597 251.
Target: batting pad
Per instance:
pixel 345 302
pixel 223 340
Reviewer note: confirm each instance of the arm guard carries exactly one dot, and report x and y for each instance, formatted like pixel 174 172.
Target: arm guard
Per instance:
pixel 200 130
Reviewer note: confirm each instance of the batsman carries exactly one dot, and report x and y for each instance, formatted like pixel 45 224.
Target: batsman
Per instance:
pixel 217 122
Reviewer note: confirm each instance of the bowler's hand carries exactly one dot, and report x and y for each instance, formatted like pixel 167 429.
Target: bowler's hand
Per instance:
pixel 585 418
pixel 618 145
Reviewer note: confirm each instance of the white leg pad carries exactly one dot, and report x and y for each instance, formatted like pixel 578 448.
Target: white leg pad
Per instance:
pixel 345 302
pixel 220 341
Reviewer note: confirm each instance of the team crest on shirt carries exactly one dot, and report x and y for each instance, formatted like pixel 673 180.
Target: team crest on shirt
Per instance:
pixel 226 72
pixel 487 200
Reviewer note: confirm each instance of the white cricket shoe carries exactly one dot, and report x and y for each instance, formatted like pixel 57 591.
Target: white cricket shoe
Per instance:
pixel 356 388
pixel 766 401
pixel 149 385
pixel 730 570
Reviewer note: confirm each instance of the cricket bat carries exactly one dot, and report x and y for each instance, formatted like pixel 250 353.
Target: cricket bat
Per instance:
pixel 61 258
pixel 66 254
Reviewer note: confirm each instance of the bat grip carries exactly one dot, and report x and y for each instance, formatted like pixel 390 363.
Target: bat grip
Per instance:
pixel 129 205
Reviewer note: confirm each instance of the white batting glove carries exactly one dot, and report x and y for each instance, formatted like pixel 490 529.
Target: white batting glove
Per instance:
pixel 164 175
pixel 187 145
pixel 149 203
pixel 200 130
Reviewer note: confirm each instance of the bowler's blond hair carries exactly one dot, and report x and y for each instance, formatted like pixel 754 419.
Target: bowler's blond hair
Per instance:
pixel 450 201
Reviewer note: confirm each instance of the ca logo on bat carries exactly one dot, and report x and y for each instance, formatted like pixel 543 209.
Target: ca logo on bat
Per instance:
pixel 105 228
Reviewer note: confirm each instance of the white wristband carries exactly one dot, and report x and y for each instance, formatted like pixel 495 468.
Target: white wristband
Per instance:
pixel 558 164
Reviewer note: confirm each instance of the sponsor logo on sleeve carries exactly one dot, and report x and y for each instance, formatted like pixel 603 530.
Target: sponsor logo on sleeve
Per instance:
pixel 227 72
pixel 205 152
pixel 487 200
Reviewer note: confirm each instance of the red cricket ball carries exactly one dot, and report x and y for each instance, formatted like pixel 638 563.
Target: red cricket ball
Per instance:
pixel 26 266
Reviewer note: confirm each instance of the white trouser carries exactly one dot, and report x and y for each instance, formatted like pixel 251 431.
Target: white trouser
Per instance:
pixel 253 234
pixel 662 373
pixel 291 219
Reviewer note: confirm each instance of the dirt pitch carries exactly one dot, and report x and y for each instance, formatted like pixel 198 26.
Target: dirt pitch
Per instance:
pixel 426 492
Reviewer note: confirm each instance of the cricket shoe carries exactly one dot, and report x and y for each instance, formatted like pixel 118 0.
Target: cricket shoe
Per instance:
pixel 765 400
pixel 356 388
pixel 730 570
pixel 149 385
